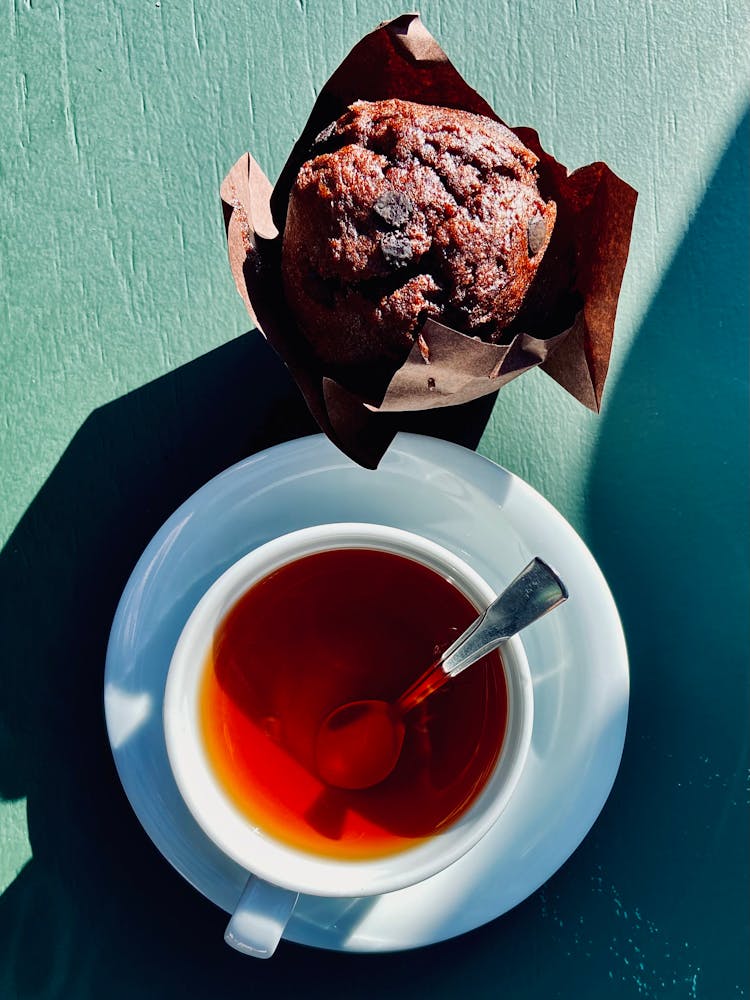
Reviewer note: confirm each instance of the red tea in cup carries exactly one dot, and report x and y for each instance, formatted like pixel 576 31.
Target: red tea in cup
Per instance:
pixel 330 628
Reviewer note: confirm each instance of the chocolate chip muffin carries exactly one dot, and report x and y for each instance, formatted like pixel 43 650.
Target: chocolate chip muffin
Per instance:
pixel 406 211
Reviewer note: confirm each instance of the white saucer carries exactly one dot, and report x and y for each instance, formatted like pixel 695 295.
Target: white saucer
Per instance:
pixel 496 522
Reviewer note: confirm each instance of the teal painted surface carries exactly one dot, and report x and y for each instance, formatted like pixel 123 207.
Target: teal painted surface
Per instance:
pixel 127 380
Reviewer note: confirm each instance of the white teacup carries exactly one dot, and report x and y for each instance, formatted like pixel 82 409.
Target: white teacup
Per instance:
pixel 279 871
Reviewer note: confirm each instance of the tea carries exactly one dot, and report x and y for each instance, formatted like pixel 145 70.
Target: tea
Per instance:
pixel 322 631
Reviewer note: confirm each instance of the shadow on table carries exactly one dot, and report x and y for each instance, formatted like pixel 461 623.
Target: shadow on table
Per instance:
pixel 669 506
pixel 96 911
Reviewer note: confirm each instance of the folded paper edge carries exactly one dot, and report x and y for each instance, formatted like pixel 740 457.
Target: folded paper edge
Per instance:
pixel 245 194
pixel 581 363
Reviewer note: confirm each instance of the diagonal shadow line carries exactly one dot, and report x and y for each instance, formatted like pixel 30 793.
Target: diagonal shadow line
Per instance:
pixel 668 520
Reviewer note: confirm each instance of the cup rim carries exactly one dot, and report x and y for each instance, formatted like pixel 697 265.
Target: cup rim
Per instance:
pixel 222 821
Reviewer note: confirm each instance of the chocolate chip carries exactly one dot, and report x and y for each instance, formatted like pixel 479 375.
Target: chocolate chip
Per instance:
pixel 396 248
pixel 431 383
pixel 394 207
pixel 536 235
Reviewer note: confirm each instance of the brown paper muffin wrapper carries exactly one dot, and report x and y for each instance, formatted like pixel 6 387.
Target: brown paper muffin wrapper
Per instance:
pixel 565 326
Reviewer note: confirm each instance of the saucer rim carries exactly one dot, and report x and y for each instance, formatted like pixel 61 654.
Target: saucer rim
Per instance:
pixel 453 456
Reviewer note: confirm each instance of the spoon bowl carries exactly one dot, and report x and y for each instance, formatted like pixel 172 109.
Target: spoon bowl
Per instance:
pixel 377 731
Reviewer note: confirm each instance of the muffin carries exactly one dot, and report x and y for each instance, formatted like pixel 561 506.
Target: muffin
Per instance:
pixel 407 211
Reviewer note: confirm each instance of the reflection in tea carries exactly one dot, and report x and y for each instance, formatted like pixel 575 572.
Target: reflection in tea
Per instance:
pixel 330 628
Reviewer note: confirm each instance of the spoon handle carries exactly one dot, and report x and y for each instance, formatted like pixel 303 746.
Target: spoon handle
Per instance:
pixel 536 590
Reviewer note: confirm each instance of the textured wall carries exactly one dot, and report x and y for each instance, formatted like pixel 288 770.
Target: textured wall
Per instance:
pixel 117 121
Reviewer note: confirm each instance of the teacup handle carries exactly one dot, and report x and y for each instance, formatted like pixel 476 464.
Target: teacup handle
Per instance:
pixel 259 919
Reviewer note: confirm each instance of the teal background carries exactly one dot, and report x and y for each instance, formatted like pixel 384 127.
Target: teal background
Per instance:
pixel 128 378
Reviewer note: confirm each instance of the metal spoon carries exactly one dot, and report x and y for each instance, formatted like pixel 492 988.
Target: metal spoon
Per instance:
pixel 359 743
